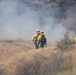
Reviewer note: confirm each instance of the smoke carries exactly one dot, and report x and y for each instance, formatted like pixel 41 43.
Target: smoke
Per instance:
pixel 20 20
pixel 70 20
pixel 16 21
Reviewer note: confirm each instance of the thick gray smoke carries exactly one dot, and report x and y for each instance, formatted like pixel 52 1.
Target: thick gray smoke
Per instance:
pixel 16 21
pixel 20 21
pixel 70 18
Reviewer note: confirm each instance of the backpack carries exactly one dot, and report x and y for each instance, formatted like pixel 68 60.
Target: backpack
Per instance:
pixel 43 39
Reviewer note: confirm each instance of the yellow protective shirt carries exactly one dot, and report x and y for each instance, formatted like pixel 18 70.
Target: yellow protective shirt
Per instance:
pixel 40 36
pixel 34 36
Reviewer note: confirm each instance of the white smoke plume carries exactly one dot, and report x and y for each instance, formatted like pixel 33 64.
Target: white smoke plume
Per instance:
pixel 18 21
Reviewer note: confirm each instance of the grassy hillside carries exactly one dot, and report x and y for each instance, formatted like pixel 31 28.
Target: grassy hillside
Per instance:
pixel 20 58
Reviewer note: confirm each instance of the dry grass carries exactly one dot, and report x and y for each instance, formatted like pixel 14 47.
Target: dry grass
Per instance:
pixel 18 58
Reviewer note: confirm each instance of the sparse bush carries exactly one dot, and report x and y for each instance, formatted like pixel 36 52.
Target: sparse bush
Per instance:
pixel 2 72
pixel 41 66
pixel 65 43
pixel 59 64
pixel 31 67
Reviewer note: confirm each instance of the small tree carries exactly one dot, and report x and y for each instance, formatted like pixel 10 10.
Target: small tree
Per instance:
pixel 65 43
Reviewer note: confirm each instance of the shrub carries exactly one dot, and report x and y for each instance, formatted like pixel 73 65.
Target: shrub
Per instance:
pixel 41 66
pixel 31 67
pixel 2 72
pixel 65 43
pixel 59 64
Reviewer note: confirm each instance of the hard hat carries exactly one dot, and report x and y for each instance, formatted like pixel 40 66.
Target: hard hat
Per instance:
pixel 42 31
pixel 37 30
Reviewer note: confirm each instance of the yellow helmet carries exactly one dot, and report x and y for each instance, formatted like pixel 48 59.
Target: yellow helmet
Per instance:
pixel 42 31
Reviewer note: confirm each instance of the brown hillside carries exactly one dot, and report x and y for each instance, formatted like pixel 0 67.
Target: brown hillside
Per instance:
pixel 20 58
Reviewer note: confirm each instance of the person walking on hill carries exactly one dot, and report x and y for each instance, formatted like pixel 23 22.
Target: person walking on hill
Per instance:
pixel 42 39
pixel 75 39
pixel 35 38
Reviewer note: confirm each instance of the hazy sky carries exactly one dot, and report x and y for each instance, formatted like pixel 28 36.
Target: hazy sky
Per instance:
pixel 18 21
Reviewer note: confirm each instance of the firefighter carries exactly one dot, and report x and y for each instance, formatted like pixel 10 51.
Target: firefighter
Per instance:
pixel 42 39
pixel 75 39
pixel 35 38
